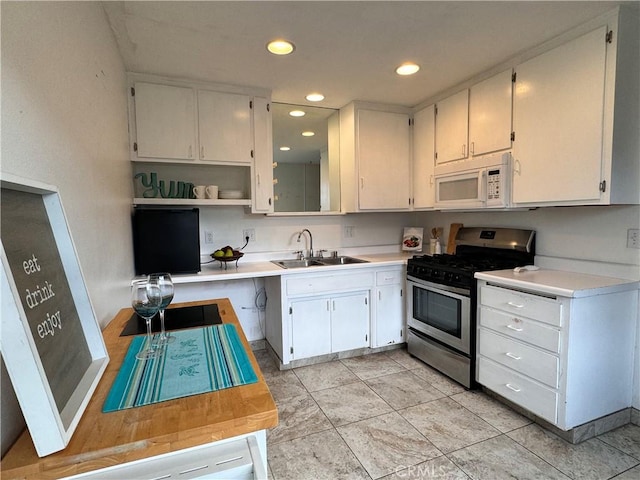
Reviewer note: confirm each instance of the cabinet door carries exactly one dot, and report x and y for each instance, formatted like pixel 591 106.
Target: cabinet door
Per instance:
pixel 310 327
pixel 389 315
pixel 165 121
pixel 423 158
pixel 263 157
pixel 490 114
pixel 452 127
pixel 383 160
pixel 224 127
pixel 558 122
pixel 349 322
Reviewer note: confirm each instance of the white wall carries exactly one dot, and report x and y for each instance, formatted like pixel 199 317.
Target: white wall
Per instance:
pixel 64 123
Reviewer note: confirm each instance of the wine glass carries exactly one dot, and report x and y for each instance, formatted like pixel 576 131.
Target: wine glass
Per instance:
pixel 164 282
pixel 146 300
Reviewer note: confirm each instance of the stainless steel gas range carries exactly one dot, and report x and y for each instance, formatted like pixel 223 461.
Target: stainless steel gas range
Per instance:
pixel 441 296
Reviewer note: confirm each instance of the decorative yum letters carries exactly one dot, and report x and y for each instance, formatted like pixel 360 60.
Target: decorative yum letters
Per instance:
pixel 155 188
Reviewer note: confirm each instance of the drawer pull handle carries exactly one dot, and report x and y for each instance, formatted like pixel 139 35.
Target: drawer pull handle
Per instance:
pixel 511 387
pixel 517 329
pixel 515 305
pixel 511 355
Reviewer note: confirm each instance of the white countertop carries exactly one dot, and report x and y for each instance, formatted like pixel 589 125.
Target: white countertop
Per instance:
pixel 212 272
pixel 557 282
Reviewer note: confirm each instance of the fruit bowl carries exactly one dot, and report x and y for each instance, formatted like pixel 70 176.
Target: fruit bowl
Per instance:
pixel 237 255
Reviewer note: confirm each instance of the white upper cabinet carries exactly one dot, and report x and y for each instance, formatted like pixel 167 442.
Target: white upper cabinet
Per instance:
pixel 423 158
pixel 224 127
pixel 186 133
pixel 490 114
pixel 262 197
pixel 558 122
pixel 374 159
pixel 576 125
pixel 383 146
pixel 165 121
pixel 452 128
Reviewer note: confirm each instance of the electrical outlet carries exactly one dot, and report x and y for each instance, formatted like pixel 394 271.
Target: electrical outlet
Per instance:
pixel 208 236
pixel 633 238
pixel 249 232
pixel 349 231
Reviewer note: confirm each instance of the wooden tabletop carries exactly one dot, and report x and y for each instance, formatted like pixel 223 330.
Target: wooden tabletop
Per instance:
pixel 105 439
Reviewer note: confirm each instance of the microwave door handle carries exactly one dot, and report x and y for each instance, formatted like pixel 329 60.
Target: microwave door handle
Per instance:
pixel 482 187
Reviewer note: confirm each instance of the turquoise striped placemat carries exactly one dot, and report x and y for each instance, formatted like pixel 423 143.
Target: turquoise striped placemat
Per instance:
pixel 200 360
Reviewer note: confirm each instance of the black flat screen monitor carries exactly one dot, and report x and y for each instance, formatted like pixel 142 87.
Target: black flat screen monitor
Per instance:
pixel 166 240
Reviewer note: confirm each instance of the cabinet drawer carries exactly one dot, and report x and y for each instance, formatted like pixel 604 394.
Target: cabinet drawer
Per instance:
pixel 303 285
pixel 521 328
pixel 531 306
pixel 389 277
pixel 533 362
pixel 536 398
pixel 238 459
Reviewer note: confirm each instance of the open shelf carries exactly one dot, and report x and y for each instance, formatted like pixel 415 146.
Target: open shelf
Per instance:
pixel 191 201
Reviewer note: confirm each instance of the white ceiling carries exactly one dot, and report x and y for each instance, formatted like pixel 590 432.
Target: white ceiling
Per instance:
pixel 346 50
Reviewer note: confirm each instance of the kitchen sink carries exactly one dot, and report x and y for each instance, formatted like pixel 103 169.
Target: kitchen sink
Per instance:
pixel 318 262
pixel 298 263
pixel 341 260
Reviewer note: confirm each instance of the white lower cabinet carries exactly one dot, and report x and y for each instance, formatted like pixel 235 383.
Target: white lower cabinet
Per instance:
pixel 349 322
pixel 567 359
pixel 328 324
pixel 388 322
pixel 310 327
pixel 318 313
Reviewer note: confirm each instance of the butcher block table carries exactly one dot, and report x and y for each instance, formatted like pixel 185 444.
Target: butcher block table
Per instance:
pixel 106 439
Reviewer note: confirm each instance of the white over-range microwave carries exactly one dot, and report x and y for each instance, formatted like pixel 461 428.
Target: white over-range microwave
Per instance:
pixel 478 183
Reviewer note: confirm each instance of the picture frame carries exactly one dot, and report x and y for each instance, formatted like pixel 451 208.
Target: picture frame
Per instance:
pixel 51 342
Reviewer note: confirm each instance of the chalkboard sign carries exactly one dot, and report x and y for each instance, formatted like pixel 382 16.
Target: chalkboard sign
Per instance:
pixel 46 308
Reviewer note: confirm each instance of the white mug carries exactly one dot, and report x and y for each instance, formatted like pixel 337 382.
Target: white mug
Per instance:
pixel 199 191
pixel 211 191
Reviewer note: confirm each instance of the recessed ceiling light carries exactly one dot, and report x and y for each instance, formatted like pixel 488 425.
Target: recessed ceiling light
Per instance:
pixel 308 134
pixel 407 69
pixel 285 149
pixel 315 97
pixel 281 47
pixel 297 113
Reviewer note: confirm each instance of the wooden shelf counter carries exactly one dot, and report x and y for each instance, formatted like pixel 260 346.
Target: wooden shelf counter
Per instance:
pixel 107 439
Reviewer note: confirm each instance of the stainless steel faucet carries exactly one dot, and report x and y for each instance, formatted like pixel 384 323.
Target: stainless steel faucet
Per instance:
pixel 310 241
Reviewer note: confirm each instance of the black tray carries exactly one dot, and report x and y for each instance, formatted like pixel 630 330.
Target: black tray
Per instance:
pixel 175 319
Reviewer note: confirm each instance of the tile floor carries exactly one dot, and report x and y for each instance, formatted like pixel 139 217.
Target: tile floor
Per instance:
pixel 390 416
